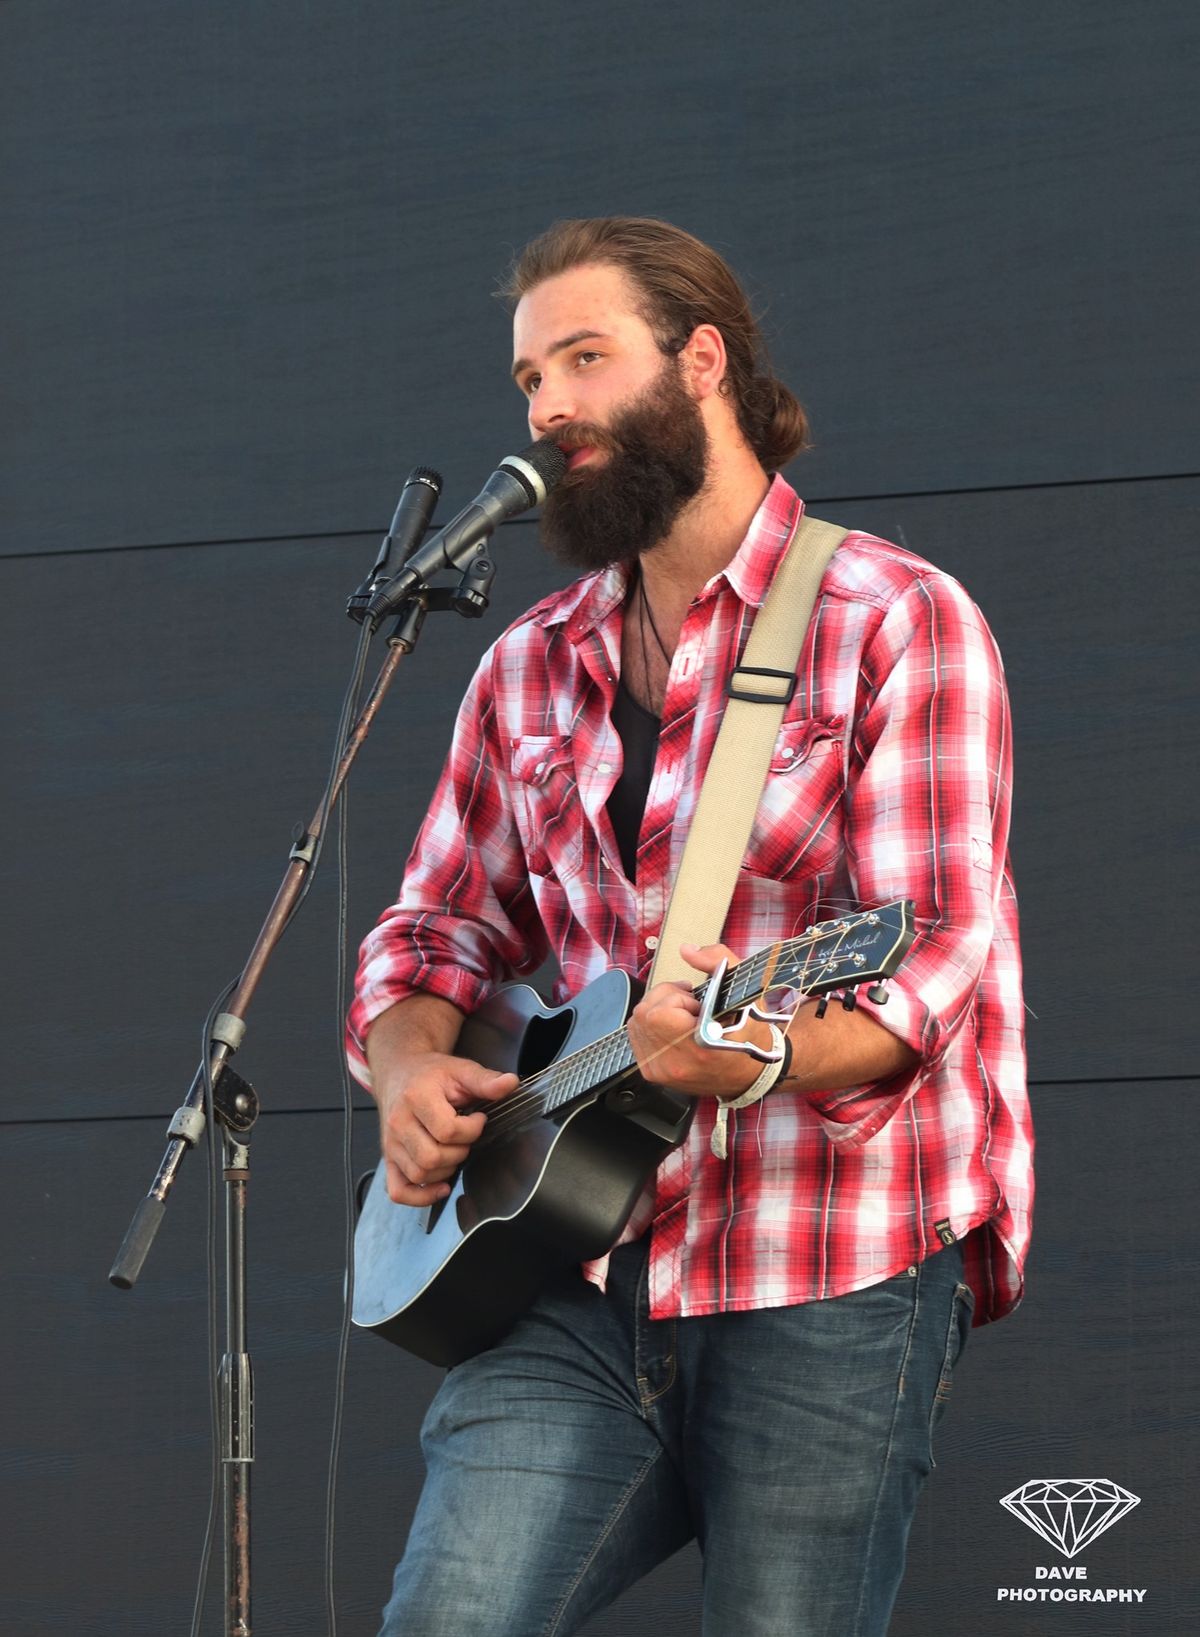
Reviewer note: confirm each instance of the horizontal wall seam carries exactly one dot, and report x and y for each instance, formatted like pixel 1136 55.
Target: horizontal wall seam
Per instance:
pixel 519 522
pixel 369 1108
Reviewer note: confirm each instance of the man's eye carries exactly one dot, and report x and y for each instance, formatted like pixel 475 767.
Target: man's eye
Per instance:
pixel 583 357
pixel 530 385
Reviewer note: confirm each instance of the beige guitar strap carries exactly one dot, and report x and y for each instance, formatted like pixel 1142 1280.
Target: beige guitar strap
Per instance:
pixel 758 694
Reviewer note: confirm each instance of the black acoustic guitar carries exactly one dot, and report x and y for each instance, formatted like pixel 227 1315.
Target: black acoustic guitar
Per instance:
pixel 558 1169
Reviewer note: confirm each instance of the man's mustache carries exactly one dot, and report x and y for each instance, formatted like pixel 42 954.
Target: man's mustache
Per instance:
pixel 582 436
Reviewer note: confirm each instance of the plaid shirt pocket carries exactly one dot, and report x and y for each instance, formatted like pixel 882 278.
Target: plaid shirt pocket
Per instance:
pixel 545 806
pixel 798 824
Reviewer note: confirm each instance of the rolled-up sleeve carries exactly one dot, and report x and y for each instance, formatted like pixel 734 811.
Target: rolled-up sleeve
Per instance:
pixel 465 918
pixel 928 802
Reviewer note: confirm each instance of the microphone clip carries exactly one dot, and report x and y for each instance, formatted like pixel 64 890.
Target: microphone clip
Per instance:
pixel 470 596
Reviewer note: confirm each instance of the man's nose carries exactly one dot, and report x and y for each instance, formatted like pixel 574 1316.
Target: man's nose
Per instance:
pixel 551 408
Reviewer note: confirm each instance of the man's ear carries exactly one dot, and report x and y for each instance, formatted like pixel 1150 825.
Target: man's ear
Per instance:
pixel 704 361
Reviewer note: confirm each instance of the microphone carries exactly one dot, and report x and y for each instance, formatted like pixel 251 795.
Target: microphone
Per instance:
pixel 413 511
pixel 519 482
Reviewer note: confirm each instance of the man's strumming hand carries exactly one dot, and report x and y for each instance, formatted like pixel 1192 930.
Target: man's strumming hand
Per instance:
pixel 425 1135
pixel 424 1094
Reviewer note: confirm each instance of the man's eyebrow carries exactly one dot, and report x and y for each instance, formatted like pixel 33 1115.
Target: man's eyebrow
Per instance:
pixel 523 364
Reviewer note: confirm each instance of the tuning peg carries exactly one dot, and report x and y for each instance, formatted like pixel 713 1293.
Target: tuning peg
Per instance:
pixel 878 994
pixel 849 1000
pixel 822 1006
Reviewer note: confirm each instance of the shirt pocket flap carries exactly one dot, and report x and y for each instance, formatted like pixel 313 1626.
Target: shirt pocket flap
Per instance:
pixel 536 757
pixel 798 823
pixel 798 740
pixel 545 803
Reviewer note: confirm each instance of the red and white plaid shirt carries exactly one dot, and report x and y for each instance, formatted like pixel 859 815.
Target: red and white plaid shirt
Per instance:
pixel 891 778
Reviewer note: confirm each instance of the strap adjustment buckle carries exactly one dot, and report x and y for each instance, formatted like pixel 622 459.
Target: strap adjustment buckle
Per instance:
pixel 733 691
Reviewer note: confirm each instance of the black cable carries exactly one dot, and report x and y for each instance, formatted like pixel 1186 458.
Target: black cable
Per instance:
pixel 346 721
pixel 349 717
pixel 339 1394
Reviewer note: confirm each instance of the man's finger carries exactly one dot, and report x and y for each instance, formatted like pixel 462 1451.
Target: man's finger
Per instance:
pixel 421 1156
pixel 403 1192
pixel 435 1114
pixel 473 1083
pixel 707 957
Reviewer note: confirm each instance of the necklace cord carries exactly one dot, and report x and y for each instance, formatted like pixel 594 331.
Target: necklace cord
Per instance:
pixel 648 614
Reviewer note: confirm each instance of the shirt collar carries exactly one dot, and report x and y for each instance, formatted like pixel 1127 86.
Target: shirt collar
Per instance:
pixel 588 602
pixel 754 563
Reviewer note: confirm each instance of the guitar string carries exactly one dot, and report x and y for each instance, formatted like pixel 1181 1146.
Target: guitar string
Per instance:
pixel 501 1122
pixel 537 1093
pixel 533 1091
pixel 533 1096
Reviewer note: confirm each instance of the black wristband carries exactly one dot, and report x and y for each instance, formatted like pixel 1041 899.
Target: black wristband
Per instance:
pixel 785 1064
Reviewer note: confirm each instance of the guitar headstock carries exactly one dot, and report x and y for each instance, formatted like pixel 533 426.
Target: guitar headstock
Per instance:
pixel 852 949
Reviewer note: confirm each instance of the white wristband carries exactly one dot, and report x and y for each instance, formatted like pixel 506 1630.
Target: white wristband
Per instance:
pixel 719 1141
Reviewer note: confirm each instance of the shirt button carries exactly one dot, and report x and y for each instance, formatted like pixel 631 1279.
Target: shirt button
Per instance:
pixel 604 767
pixel 540 768
pixel 652 942
pixel 788 754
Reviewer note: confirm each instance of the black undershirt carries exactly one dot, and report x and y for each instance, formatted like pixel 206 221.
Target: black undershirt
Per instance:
pixel 637 729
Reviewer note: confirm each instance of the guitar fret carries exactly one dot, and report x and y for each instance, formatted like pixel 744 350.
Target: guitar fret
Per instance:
pixel 617 1054
pixel 566 1083
pixel 748 987
pixel 582 1072
pixel 598 1064
pixel 586 1068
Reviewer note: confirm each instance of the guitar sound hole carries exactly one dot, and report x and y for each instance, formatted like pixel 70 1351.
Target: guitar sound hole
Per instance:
pixel 543 1039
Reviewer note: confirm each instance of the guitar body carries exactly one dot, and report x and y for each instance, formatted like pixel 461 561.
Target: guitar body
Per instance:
pixel 562 1162
pixel 447 1280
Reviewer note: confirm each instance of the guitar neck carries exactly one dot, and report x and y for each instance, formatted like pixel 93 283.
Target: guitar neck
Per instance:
pixel 830 955
pixel 610 1059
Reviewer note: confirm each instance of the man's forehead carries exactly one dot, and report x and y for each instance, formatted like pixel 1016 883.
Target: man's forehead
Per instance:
pixel 590 300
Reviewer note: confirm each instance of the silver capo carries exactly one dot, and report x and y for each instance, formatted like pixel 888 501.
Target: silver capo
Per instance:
pixel 709 1032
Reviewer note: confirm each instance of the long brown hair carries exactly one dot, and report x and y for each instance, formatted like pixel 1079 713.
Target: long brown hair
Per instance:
pixel 682 282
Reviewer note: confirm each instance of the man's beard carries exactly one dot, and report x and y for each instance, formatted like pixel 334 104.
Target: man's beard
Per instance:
pixel 656 460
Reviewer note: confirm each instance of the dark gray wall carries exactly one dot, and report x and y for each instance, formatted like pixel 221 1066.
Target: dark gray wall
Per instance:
pixel 248 256
pixel 251 245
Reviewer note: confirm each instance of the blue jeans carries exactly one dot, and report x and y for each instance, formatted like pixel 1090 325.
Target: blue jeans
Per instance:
pixel 593 1442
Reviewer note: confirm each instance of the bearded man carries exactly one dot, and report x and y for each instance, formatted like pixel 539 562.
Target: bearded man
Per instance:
pixel 759 1363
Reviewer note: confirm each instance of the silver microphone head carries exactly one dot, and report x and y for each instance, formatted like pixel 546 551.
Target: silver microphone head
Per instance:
pixel 538 469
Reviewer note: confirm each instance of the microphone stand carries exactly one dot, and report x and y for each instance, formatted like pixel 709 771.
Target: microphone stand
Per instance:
pixel 236 1105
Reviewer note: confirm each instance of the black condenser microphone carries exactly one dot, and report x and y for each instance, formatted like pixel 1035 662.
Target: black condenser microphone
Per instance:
pixel 519 482
pixel 413 511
